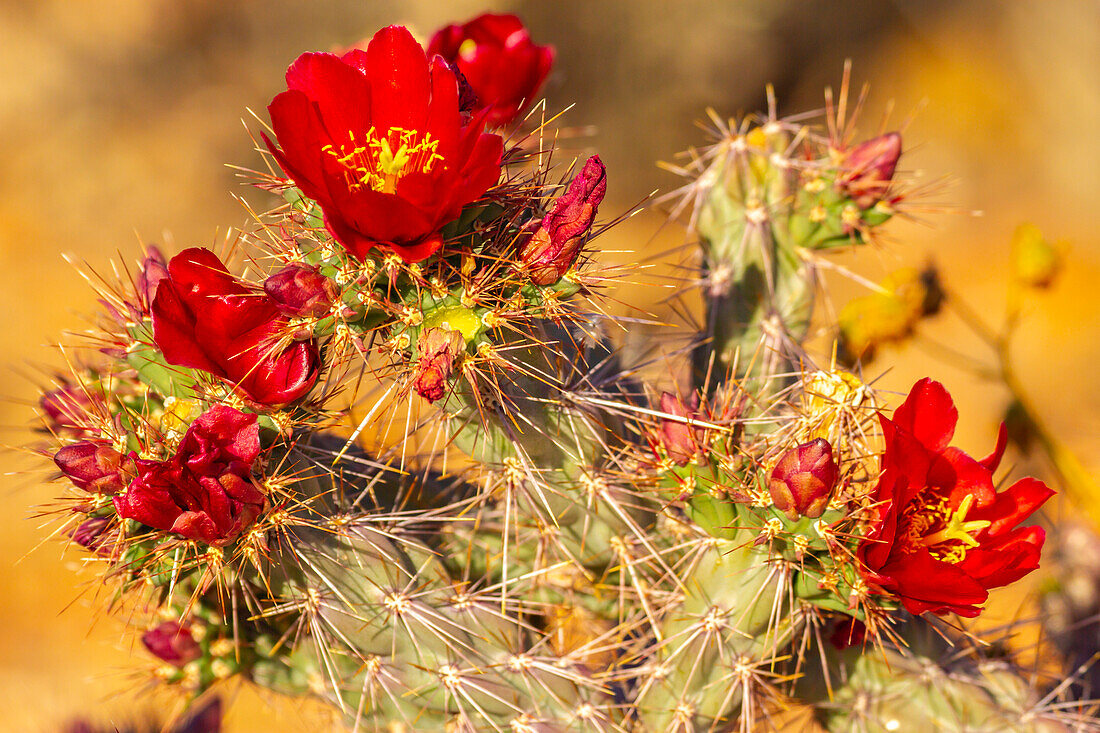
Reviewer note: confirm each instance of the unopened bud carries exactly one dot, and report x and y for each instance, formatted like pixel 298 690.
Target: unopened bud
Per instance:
pixel 301 291
pixel 1035 261
pixel 549 253
pixel 173 643
pixel 154 268
pixel 91 534
pixel 802 483
pixel 93 466
pixel 680 440
pixel 868 169
pixel 439 347
pixel 65 407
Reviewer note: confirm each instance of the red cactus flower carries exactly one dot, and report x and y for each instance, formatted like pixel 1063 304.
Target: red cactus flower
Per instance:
pixel 549 253
pixel 204 492
pixel 496 55
pixel 943 535
pixel 376 138
pixel 204 319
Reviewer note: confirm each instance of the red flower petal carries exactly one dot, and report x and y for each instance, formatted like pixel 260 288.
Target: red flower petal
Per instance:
pixel 929 414
pixel 961 476
pixel 926 584
pixel 1007 559
pixel 399 85
pixel 994 459
pixel 1013 505
pixel 341 94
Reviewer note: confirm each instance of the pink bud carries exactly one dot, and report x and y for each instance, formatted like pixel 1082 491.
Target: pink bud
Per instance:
pixel 154 268
pixel 171 642
pixel 802 483
pixel 302 291
pixel 549 253
pixel 681 441
pixel 91 534
pixel 869 168
pixel 93 466
pixel 65 408
pixel 439 347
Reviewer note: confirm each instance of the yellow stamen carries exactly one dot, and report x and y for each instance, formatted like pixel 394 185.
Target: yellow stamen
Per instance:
pixel 384 159
pixel 957 529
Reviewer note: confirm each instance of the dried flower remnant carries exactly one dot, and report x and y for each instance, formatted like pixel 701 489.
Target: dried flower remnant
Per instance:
pixel 376 138
pixel 439 348
pixel 503 66
pixel 942 535
pixel 554 247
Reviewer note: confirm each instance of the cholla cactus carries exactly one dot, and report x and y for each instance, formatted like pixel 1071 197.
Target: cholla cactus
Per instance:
pixel 539 548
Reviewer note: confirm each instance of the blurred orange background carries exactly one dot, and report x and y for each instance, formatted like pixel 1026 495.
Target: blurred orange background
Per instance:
pixel 119 115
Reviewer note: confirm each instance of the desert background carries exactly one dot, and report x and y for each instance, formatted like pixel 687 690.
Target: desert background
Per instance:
pixel 118 117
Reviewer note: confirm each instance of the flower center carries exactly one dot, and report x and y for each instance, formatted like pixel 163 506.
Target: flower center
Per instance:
pixel 380 161
pixel 930 523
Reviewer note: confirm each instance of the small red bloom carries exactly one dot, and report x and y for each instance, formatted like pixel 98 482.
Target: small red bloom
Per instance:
pixel 377 139
pixel 204 319
pixel 554 247
pixel 943 535
pixel 496 55
pixel 204 492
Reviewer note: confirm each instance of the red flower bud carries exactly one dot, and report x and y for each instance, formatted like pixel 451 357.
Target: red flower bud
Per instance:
pixel 549 253
pixel 204 492
pixel 65 408
pixel 681 441
pixel 173 643
pixel 439 347
pixel 869 168
pixel 495 54
pixel 93 466
pixel 91 534
pixel 301 291
pixel 802 483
